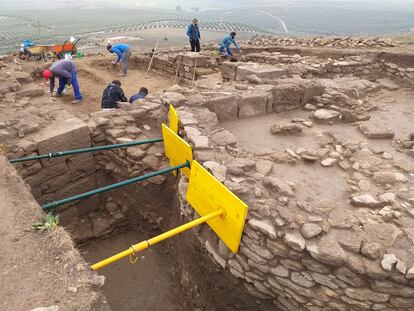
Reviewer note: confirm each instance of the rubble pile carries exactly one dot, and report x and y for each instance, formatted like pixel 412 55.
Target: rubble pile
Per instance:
pixel 352 42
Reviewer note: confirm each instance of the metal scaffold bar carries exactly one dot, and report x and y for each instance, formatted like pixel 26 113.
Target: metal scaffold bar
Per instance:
pixel 84 150
pixel 166 235
pixel 55 204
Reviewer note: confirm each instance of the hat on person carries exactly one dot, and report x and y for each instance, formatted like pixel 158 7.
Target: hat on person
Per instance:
pixel 47 74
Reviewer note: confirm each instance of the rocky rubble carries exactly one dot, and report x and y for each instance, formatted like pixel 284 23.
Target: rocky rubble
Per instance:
pixel 354 42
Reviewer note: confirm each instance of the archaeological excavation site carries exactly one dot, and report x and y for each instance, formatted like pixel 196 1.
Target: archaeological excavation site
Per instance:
pixel 289 175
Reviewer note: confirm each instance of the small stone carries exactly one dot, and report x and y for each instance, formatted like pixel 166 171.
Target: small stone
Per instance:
pixel 385 177
pixel 295 241
pixel 278 185
pixel 280 271
pixel 286 129
pixel 344 165
pixel 311 230
pixel 410 273
pixel 387 156
pixel 328 162
pixel 326 115
pixel 389 198
pixel 254 79
pixel 365 200
pixel 308 123
pixel 388 261
pixel 310 107
pixel 146 127
pixel 72 289
pixel 219 171
pixel 401 177
pixel 265 226
pixel 401 267
pixel 371 250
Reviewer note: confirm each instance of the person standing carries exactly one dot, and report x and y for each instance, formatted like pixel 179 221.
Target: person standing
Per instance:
pixel 123 52
pixel 193 34
pixel 227 41
pixel 66 71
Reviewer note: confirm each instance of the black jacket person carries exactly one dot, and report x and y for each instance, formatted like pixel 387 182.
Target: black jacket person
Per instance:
pixel 112 95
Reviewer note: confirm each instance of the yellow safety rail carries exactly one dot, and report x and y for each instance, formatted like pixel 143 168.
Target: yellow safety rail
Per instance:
pixel 146 244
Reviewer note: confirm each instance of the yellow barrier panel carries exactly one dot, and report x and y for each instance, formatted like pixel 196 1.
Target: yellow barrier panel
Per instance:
pixel 206 194
pixel 177 150
pixel 173 120
pixel 146 244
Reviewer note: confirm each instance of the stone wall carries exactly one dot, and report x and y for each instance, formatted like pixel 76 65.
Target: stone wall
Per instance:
pixel 298 255
pixel 58 178
pixel 276 65
pixel 183 66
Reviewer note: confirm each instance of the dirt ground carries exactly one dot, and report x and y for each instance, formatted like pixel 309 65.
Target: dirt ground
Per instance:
pixel 131 287
pixel 62 279
pixel 93 80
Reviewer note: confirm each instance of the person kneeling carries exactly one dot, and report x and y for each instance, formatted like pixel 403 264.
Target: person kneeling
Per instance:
pixel 141 94
pixel 113 95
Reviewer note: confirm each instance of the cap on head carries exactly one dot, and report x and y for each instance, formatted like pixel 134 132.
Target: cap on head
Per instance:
pixel 47 74
pixel 233 34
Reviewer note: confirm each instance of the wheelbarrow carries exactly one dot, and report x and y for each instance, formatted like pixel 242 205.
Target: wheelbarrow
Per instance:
pixel 37 51
pixel 68 47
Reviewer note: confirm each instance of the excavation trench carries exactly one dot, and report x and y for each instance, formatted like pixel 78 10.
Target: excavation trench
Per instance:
pixel 176 274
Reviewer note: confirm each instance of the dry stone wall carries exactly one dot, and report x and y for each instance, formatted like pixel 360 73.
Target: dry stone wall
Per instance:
pixel 301 255
pixel 270 66
pixel 184 66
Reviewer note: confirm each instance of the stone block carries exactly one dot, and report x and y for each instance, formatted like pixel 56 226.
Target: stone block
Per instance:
pixel 80 164
pixel 80 186
pixel 261 71
pixel 228 70
pixel 190 59
pixel 64 134
pixel 375 131
pixel 289 94
pixel 251 105
pixel 225 107
pixel 31 91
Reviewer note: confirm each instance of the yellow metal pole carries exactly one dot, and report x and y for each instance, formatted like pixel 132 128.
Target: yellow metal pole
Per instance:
pixel 145 244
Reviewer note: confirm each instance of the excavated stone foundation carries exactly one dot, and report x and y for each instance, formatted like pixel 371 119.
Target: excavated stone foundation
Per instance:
pixel 319 148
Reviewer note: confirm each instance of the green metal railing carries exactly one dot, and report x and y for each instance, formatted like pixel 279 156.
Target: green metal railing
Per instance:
pixel 55 204
pixel 84 150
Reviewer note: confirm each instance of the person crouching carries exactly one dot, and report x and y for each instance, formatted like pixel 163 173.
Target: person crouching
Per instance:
pixel 141 94
pixel 113 95
pixel 66 71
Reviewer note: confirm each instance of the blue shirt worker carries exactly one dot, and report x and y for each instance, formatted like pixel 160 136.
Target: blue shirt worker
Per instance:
pixel 123 52
pixel 141 94
pixel 66 71
pixel 227 41
pixel 193 34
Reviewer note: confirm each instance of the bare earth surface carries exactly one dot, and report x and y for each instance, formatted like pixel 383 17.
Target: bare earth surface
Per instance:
pixel 93 80
pixel 37 269
pixel 150 284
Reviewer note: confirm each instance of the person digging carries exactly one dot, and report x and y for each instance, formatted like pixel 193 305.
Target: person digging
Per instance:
pixel 224 46
pixel 123 52
pixel 66 72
